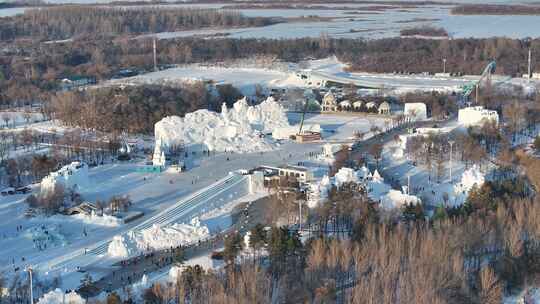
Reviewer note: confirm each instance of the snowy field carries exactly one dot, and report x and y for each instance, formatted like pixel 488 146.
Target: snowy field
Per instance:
pixel 341 127
pixel 245 79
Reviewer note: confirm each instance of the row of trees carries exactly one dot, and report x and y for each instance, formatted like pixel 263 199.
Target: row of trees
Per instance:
pixel 495 9
pixel 64 22
pixel 135 109
pixel 428 31
pixel 24 170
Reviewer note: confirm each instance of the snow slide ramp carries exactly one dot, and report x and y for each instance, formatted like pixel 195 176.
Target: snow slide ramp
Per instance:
pixel 181 211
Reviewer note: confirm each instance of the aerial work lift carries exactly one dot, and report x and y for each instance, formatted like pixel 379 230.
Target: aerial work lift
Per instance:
pixel 474 86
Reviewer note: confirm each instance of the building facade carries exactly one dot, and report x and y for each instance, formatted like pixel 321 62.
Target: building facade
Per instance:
pixel 329 103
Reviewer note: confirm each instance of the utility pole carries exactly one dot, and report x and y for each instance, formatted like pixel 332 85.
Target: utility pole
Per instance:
pixel 477 87
pixel 451 142
pixel 444 65
pixel 155 55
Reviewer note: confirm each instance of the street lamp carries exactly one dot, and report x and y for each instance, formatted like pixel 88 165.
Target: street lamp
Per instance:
pixel 29 269
pixel 451 142
pixel 444 65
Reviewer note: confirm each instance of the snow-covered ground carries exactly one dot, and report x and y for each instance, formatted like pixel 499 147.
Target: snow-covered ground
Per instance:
pixel 220 218
pixel 341 127
pixel 245 79
pixel 12 119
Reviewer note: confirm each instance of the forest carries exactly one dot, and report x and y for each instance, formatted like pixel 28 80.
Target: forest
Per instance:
pixel 134 109
pixel 428 31
pixel 64 22
pixel 495 9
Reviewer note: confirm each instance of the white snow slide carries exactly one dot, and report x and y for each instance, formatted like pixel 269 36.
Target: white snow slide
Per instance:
pixel 181 211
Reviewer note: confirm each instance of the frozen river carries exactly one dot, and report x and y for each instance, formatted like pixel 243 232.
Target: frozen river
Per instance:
pixel 359 22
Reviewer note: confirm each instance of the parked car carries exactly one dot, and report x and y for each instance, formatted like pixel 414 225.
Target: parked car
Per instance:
pixel 8 191
pixel 23 190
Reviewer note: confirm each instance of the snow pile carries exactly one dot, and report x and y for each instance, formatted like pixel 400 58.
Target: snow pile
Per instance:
pixel 94 219
pixel 57 296
pixel 328 152
pixel 157 238
pixel 318 192
pixel 238 129
pixel 77 221
pixel 174 273
pixel 470 177
pixel 415 111
pixel 118 248
pixel 397 199
pixel 73 177
pixel 344 176
pixel 398 152
pixel 477 116
pixel 388 198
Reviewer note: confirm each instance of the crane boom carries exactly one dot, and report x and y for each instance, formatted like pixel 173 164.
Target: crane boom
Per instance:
pixel 488 71
pixel 303 116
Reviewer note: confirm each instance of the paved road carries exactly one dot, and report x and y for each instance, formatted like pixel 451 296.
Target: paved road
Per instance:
pixel 379 81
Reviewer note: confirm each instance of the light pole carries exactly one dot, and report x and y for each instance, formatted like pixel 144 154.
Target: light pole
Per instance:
pixel 408 184
pixel 300 215
pixel 444 65
pixel 529 70
pixel 476 93
pixel 451 142
pixel 29 269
